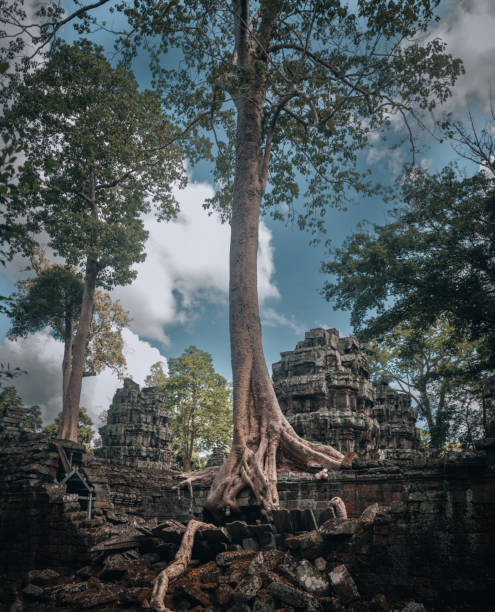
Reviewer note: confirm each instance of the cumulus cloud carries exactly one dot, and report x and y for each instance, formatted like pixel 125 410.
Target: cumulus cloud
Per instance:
pixel 468 29
pixel 41 356
pixel 187 263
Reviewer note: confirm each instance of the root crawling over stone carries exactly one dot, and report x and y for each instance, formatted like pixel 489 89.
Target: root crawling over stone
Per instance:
pixel 202 476
pixel 254 466
pixel 175 569
pixel 188 478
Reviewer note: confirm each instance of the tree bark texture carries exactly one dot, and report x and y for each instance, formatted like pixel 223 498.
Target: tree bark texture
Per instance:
pixel 67 360
pixel 69 419
pixel 263 438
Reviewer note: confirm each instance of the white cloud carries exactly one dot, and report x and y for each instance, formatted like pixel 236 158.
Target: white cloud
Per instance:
pixel 41 356
pixel 391 159
pixel 468 29
pixel 272 318
pixel 187 262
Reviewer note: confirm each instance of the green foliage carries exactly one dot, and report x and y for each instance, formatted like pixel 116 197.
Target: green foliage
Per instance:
pixel 434 367
pixel 425 438
pixel 157 376
pixel 98 157
pixel 199 401
pixel 48 299
pixel 53 298
pixel 436 257
pixel 14 235
pixel 85 431
pixel 330 73
pixel 10 397
pixel 106 343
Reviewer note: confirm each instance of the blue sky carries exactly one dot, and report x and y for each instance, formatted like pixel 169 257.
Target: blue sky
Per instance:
pixel 180 296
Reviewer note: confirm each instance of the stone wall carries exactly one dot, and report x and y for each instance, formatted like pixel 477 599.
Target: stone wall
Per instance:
pixel 40 520
pixel 431 541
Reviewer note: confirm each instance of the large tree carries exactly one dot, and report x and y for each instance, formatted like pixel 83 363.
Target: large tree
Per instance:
pixel 199 401
pixel 99 155
pixel 301 87
pixel 291 93
pixel 436 368
pixel 436 258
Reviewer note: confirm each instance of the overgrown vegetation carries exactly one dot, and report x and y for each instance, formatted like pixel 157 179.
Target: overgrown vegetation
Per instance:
pixel 421 293
pixel 200 404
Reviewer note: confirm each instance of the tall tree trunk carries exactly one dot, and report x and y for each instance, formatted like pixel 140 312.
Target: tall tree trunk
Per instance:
pixel 68 422
pixel 262 435
pixel 67 360
pixel 186 455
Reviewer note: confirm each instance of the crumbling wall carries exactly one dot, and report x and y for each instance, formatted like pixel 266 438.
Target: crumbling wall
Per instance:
pixel 39 521
pixel 431 540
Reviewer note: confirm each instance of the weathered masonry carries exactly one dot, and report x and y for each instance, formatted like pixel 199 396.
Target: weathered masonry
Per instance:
pixel 101 526
pixel 324 389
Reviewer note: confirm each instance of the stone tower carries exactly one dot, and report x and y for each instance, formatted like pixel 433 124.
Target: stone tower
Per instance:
pixel 137 431
pixel 399 438
pixel 324 389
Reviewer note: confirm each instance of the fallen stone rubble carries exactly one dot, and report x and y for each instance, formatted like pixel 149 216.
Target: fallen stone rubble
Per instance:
pixel 239 567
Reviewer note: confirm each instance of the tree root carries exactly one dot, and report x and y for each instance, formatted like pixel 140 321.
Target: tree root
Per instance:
pixel 255 467
pixel 338 508
pixel 205 475
pixel 175 569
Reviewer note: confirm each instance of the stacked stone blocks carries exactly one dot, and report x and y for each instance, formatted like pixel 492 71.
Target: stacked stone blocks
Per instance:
pixel 324 388
pixel 137 431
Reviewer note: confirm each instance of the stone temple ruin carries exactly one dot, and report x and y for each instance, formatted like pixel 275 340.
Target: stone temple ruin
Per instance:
pixel 137 431
pixel 92 531
pixel 324 389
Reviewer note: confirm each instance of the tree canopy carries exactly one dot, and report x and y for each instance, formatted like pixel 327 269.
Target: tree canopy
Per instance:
pixel 434 367
pixel 86 130
pixel 54 299
pixel 99 154
pixel 199 401
pixel 435 258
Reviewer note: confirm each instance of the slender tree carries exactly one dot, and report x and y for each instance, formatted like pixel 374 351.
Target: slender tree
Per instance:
pixel 53 299
pixel 199 402
pixel 99 155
